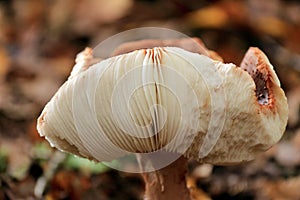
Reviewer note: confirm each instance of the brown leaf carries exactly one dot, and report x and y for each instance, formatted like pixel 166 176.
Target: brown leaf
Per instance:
pixel 208 17
pixel 270 25
pixel 280 190
pixel 293 97
pixel 195 192
pixel 68 184
pixel 5 62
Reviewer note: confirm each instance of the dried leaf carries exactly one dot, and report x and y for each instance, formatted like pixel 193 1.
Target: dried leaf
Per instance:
pixel 195 192
pixel 272 26
pixel 5 62
pixel 294 106
pixel 280 190
pixel 208 17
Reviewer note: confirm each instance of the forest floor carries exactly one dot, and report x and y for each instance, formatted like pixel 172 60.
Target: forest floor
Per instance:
pixel 38 43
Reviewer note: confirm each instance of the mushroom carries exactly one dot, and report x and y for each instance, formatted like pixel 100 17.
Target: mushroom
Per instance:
pixel 167 102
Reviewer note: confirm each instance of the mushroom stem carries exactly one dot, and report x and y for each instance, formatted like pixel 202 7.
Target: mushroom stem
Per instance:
pixel 168 182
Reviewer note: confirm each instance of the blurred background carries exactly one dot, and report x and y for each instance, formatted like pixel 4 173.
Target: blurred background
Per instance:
pixel 39 40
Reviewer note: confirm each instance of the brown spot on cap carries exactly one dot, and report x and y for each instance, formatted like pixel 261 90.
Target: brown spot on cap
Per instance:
pixel 259 68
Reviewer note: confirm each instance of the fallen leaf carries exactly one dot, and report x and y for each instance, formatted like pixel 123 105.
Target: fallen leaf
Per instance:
pixel 280 189
pixel 293 97
pixel 195 192
pixel 208 17
pixel 5 62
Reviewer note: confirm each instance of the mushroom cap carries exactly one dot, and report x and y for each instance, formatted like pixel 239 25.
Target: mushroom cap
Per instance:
pixel 168 98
